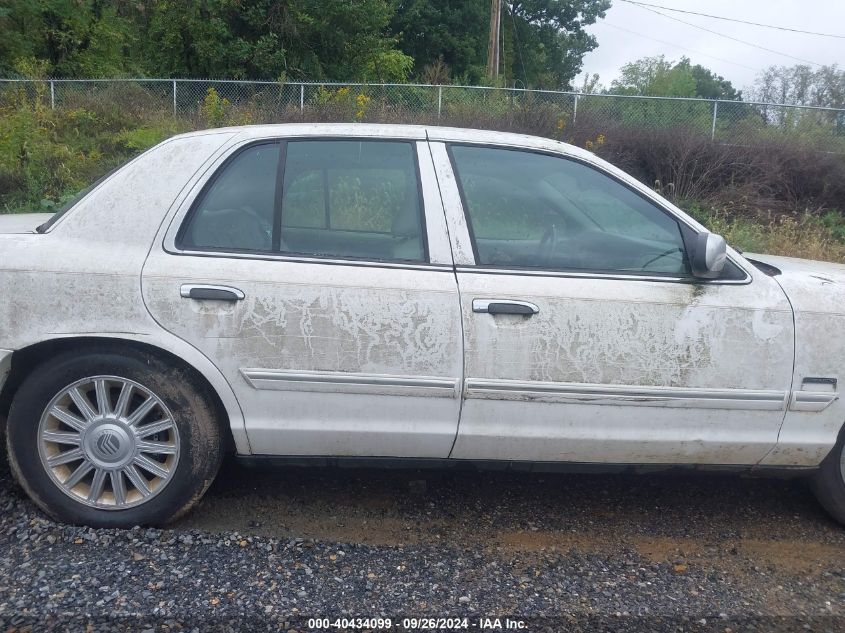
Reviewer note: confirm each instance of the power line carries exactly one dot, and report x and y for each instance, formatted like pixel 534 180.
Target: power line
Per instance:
pixel 718 17
pixel 649 37
pixel 735 39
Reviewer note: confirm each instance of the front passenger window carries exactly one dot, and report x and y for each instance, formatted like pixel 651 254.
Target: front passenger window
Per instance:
pixel 533 210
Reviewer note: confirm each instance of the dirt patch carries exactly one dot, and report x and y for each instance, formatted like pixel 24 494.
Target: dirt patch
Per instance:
pixel 795 556
pixel 530 541
pixel 724 525
pixel 663 549
pixel 743 559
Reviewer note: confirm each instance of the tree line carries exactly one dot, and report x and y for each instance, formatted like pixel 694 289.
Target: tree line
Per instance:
pixel 543 41
pixel 799 85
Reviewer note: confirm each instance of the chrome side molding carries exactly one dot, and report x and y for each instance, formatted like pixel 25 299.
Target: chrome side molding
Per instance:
pixel 584 393
pixel 346 382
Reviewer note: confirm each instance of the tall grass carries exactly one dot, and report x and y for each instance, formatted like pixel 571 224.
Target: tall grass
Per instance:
pixel 805 235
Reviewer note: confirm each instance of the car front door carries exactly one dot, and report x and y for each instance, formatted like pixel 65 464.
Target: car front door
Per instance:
pixel 317 275
pixel 586 338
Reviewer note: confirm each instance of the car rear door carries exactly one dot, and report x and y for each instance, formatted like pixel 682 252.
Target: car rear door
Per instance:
pixel 316 274
pixel 585 337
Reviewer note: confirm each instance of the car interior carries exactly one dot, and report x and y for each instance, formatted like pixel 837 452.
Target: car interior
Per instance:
pixel 537 211
pixel 236 211
pixel 360 199
pixel 340 198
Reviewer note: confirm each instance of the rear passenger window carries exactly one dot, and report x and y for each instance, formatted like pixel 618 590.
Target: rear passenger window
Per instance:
pixel 349 199
pixel 236 211
pixel 352 198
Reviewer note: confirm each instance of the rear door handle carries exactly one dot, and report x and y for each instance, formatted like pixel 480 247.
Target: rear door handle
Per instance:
pixel 204 292
pixel 504 306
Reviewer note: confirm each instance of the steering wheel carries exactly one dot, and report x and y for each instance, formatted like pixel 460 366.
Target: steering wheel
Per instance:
pixel 548 243
pixel 667 253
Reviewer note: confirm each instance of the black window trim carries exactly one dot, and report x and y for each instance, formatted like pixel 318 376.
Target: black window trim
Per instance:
pixel 686 231
pixel 278 194
pixel 275 251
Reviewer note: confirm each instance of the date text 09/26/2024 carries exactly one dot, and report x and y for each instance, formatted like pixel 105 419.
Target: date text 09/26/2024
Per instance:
pixel 410 624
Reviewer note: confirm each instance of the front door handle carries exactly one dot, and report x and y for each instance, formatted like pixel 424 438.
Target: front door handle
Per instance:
pixel 205 292
pixel 504 306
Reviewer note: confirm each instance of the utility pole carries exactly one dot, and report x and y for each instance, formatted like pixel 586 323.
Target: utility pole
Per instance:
pixel 493 41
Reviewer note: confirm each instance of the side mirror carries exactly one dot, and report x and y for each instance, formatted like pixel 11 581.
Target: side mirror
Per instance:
pixel 708 255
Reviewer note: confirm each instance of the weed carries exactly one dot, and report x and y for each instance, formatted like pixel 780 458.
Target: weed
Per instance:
pixel 214 108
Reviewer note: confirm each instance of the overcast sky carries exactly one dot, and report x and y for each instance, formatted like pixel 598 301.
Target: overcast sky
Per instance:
pixel 629 32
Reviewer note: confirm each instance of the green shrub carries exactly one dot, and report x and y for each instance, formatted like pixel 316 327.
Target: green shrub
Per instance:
pixel 142 138
pixel 214 108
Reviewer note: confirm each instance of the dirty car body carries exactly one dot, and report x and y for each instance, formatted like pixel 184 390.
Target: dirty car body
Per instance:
pixel 358 291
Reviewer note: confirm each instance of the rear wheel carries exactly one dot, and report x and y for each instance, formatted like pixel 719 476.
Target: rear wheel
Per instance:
pixel 113 440
pixel 829 482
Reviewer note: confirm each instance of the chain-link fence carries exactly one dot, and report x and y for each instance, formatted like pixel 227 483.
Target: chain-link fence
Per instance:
pixel 568 116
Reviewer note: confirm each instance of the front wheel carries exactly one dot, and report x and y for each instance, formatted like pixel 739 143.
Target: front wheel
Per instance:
pixel 113 440
pixel 829 482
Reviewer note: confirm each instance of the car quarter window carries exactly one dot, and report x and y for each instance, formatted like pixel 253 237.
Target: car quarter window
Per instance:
pixel 352 198
pixel 236 210
pixel 532 210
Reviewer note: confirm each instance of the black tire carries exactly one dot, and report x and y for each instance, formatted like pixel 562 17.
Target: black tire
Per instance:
pixel 828 483
pixel 192 411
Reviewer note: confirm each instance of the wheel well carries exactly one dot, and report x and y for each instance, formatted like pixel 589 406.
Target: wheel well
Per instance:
pixel 25 360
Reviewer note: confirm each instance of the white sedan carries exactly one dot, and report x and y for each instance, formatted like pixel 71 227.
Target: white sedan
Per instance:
pixel 380 293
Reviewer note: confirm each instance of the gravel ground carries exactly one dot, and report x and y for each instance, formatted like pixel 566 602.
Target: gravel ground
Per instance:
pixel 268 549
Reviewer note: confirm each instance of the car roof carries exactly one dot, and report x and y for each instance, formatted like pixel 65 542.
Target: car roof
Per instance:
pixel 393 130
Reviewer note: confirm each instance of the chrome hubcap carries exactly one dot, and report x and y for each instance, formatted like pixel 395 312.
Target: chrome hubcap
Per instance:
pixel 108 442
